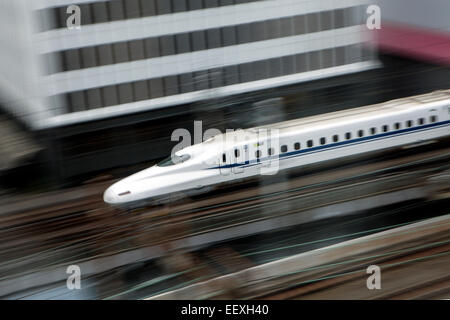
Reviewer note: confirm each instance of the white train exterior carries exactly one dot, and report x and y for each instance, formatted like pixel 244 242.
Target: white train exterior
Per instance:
pixel 255 151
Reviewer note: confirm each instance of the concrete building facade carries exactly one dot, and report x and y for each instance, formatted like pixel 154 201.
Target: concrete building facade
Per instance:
pixel 138 55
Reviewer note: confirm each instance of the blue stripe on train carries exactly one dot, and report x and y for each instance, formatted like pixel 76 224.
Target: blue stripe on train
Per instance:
pixel 336 145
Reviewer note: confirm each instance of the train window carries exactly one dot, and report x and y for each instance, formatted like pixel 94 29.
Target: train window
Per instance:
pixel 421 121
pixel 385 128
pixel 397 125
pixel 297 146
pixel 166 162
pixel 237 153
pixel 271 151
pixel 373 130
pixel 323 141
pixel 184 157
pixel 224 158
pixel 409 123
pixel 258 154
pixel 310 143
pixel 348 135
pixel 284 148
pixel 335 138
pixel 433 119
pixel 173 160
pixel 361 133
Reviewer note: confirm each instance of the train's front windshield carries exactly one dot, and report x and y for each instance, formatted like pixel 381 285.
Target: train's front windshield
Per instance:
pixel 166 162
pixel 173 160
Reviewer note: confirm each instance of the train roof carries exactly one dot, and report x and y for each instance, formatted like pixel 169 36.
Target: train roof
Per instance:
pixel 349 116
pixel 392 106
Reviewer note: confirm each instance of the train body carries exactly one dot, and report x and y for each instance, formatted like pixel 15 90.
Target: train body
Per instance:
pixel 295 143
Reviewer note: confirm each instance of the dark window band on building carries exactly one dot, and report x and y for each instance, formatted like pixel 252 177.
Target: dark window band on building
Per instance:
pixel 139 49
pixel 116 10
pixel 194 81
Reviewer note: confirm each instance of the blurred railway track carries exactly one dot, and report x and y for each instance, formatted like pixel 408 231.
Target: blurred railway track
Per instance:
pixel 77 226
pixel 413 261
pixel 401 277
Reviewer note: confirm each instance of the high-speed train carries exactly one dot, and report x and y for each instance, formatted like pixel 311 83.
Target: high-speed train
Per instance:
pixel 266 150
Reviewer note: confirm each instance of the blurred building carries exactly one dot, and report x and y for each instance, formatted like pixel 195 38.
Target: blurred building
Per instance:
pixel 137 55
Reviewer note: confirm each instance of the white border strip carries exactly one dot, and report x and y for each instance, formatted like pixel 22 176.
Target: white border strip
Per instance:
pixel 42 4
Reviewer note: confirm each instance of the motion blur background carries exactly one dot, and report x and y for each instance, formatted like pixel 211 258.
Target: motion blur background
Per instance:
pixel 110 94
pixel 82 108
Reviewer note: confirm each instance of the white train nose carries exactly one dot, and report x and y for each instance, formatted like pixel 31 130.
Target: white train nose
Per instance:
pixel 116 194
pixel 109 196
